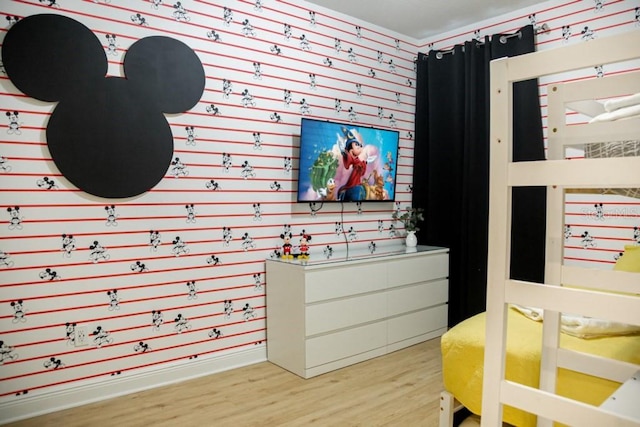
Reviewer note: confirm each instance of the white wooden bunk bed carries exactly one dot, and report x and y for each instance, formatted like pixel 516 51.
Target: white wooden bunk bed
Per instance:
pixel 531 370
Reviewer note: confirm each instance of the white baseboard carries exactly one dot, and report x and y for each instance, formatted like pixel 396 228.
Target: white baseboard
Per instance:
pixel 64 399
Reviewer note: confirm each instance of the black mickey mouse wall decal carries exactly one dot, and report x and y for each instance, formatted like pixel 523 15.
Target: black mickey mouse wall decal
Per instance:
pixel 107 135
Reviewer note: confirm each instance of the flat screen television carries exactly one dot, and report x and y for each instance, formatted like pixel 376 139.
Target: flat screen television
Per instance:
pixel 343 162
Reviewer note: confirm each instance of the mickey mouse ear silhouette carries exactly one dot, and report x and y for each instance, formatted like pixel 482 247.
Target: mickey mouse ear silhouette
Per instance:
pixel 47 56
pixel 107 135
pixel 162 62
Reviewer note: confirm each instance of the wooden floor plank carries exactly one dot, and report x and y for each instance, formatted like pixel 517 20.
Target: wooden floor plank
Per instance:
pixel 401 388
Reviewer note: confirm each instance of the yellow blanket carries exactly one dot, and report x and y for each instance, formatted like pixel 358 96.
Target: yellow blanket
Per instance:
pixel 463 358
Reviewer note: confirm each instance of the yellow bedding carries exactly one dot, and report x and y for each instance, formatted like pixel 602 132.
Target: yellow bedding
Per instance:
pixel 463 358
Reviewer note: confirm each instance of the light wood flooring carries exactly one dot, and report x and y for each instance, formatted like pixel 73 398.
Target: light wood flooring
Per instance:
pixel 399 389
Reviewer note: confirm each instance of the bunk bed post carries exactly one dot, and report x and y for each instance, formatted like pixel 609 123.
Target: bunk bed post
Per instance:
pixel 447 409
pixel 499 242
pixel 554 250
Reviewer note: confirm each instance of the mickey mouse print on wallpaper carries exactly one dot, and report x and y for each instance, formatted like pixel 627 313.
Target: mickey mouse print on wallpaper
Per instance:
pixel 108 135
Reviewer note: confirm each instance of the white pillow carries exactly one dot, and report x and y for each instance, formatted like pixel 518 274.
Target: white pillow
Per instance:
pixel 620 113
pixel 614 104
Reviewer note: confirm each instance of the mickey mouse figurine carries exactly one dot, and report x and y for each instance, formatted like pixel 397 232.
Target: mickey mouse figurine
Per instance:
pixel 304 245
pixel 286 246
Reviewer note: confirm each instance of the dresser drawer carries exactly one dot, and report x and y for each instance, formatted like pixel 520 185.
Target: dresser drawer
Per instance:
pixel 340 282
pixel 337 314
pixel 416 297
pixel 419 269
pixel 328 348
pixel 417 323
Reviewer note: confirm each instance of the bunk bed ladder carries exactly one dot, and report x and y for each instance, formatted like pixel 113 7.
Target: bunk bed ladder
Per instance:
pixel 556 174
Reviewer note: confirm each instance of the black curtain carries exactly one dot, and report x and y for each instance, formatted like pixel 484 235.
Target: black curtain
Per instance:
pixel 451 165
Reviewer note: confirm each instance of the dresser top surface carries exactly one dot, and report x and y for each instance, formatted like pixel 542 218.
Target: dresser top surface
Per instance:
pixel 355 255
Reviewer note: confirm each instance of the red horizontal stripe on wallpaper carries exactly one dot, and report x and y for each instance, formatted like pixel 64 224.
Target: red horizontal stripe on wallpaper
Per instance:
pixel 596 226
pixel 73 279
pixel 326 211
pixel 60 281
pixel 145 286
pixel 592 249
pixel 624 203
pixel 589 260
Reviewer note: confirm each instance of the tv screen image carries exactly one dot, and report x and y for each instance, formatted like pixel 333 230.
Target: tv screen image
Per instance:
pixel 342 162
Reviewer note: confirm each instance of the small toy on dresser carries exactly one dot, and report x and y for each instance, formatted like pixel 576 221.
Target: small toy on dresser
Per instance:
pixel 286 246
pixel 304 245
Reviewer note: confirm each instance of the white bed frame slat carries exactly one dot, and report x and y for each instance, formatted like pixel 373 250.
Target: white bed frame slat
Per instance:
pixel 614 281
pixel 596 366
pixel 585 90
pixel 620 130
pixel 584 302
pixel 585 173
pixel 557 174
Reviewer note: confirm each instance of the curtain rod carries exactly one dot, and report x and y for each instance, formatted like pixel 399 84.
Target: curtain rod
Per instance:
pixel 441 53
pixel 503 39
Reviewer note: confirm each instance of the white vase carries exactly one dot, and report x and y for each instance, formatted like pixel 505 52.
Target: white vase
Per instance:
pixel 411 240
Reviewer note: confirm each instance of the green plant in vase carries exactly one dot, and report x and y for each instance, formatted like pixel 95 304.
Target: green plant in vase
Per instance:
pixel 410 219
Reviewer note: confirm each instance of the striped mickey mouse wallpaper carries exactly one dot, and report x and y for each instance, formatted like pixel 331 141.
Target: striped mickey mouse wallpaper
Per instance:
pixel 149 166
pixel 150 247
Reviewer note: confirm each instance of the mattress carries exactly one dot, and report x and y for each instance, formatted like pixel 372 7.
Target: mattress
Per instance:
pixel 463 363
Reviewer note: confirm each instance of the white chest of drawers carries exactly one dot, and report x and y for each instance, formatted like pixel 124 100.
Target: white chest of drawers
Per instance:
pixel 323 315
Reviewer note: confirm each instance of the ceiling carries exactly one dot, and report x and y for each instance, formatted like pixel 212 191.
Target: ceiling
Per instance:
pixel 421 19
